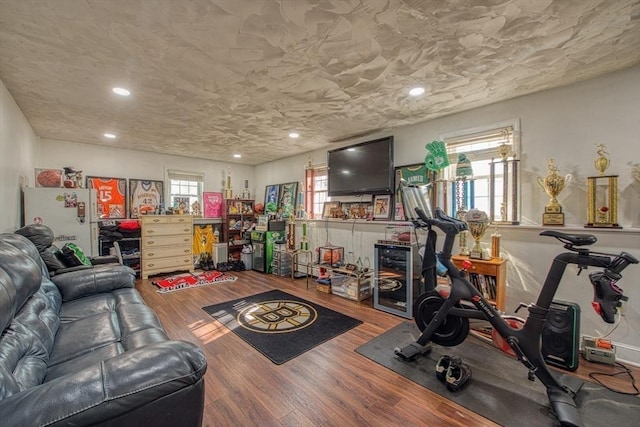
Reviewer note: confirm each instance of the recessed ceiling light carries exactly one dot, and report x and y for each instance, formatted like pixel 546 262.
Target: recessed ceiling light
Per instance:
pixel 294 135
pixel 237 156
pixel 121 91
pixel 416 91
pixel 109 135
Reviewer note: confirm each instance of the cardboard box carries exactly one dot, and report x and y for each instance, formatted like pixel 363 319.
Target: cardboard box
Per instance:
pixel 323 288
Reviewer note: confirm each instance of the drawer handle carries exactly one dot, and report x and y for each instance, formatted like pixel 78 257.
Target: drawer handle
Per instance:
pixel 150 265
pixel 186 251
pixel 149 231
pixel 186 261
pixel 181 220
pixel 156 220
pixel 151 254
pixel 151 242
pixel 186 230
pixel 185 240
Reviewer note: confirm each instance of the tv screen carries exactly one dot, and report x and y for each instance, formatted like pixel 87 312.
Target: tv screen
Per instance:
pixel 365 168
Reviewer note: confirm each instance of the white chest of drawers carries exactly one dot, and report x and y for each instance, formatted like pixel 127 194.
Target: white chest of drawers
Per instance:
pixel 167 244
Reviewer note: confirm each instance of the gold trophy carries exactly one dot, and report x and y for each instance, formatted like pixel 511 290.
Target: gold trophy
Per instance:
pixel 553 184
pixel 602 194
pixel 635 172
pixel 228 192
pixel 478 222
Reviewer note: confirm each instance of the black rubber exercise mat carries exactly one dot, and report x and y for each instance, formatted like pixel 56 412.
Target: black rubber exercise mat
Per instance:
pixel 499 389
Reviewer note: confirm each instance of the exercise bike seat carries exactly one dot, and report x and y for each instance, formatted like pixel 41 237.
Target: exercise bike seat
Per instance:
pixel 573 239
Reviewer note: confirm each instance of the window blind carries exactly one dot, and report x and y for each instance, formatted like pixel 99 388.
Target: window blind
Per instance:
pixel 185 175
pixel 483 144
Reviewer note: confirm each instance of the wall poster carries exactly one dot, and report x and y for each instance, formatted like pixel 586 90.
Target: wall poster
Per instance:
pixel 145 197
pixel 288 196
pixel 112 196
pixel 212 204
pixel 271 199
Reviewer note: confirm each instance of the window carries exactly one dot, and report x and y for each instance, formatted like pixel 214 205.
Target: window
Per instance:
pixel 316 191
pixel 186 188
pixel 482 147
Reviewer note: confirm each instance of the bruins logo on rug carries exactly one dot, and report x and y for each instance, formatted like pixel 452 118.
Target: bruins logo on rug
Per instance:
pixel 277 316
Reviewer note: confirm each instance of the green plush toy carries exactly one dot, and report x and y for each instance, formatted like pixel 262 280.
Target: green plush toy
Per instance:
pixel 436 157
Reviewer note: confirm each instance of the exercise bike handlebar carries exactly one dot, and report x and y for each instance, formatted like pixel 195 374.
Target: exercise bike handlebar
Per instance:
pixel 448 225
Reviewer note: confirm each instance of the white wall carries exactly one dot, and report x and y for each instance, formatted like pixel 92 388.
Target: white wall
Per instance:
pixel 563 124
pixel 17 144
pixel 96 160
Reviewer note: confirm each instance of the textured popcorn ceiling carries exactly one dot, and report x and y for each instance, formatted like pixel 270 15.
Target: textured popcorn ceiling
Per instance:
pixel 215 77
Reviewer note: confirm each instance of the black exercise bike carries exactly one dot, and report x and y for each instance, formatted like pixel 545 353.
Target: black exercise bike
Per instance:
pixel 445 321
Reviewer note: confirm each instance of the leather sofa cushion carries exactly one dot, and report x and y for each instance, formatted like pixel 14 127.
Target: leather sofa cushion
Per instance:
pixel 102 325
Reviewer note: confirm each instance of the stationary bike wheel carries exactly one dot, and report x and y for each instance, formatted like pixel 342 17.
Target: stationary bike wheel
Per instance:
pixel 451 332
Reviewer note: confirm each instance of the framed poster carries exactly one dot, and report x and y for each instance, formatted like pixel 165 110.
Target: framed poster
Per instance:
pixel 328 208
pixel 145 197
pixel 112 196
pixel 212 204
pixel 271 199
pixel 287 203
pixel 415 174
pixel 381 205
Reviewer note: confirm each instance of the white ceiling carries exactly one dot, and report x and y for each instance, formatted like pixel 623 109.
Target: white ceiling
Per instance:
pixel 210 78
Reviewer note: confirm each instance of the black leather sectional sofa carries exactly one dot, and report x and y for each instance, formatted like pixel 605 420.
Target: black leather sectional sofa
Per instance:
pixel 82 348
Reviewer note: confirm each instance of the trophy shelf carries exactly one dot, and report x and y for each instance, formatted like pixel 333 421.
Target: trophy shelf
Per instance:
pixel 489 276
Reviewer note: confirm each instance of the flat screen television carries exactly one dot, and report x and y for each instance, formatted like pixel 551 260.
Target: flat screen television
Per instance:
pixel 364 168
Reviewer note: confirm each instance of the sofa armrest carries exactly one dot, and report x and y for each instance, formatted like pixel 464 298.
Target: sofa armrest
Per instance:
pixel 70 269
pixel 94 280
pixel 144 384
pixel 104 259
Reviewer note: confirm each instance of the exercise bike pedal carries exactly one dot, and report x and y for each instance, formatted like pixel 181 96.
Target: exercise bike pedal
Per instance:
pixel 410 352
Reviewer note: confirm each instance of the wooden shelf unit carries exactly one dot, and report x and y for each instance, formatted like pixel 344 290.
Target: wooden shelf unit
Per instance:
pixel 237 211
pixel 493 272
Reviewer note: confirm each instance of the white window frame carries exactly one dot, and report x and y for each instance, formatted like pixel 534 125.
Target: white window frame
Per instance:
pixel 189 178
pixel 492 134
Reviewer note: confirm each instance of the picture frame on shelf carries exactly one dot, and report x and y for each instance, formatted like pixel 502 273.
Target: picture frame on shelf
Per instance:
pixel 112 196
pixel 181 205
pixel 382 206
pixel 145 197
pixel 327 209
pixel 287 199
pixel 271 199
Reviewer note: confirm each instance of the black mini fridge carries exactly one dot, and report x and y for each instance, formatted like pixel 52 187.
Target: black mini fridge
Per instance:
pixel 396 278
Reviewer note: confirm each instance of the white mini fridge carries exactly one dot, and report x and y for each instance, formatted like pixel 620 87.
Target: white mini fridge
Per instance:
pixel 70 212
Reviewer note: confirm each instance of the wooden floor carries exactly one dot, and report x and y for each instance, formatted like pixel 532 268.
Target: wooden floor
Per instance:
pixel 330 385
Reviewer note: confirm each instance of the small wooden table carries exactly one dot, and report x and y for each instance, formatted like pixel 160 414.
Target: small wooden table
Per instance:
pixel 489 276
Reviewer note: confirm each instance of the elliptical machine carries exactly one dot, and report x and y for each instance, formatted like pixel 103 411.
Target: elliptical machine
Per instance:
pixel 445 321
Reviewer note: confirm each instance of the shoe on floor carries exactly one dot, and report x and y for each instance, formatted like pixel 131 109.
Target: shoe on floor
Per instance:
pixel 443 364
pixel 457 376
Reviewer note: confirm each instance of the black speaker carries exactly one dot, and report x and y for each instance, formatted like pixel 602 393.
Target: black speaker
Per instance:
pixel 561 335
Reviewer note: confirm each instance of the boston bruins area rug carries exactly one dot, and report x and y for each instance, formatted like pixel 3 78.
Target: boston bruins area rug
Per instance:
pixel 279 325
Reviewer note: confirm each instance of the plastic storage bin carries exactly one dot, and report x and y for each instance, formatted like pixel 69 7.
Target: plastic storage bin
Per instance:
pixel 354 287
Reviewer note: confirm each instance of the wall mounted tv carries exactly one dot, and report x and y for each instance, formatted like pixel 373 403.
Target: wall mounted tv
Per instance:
pixel 364 168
